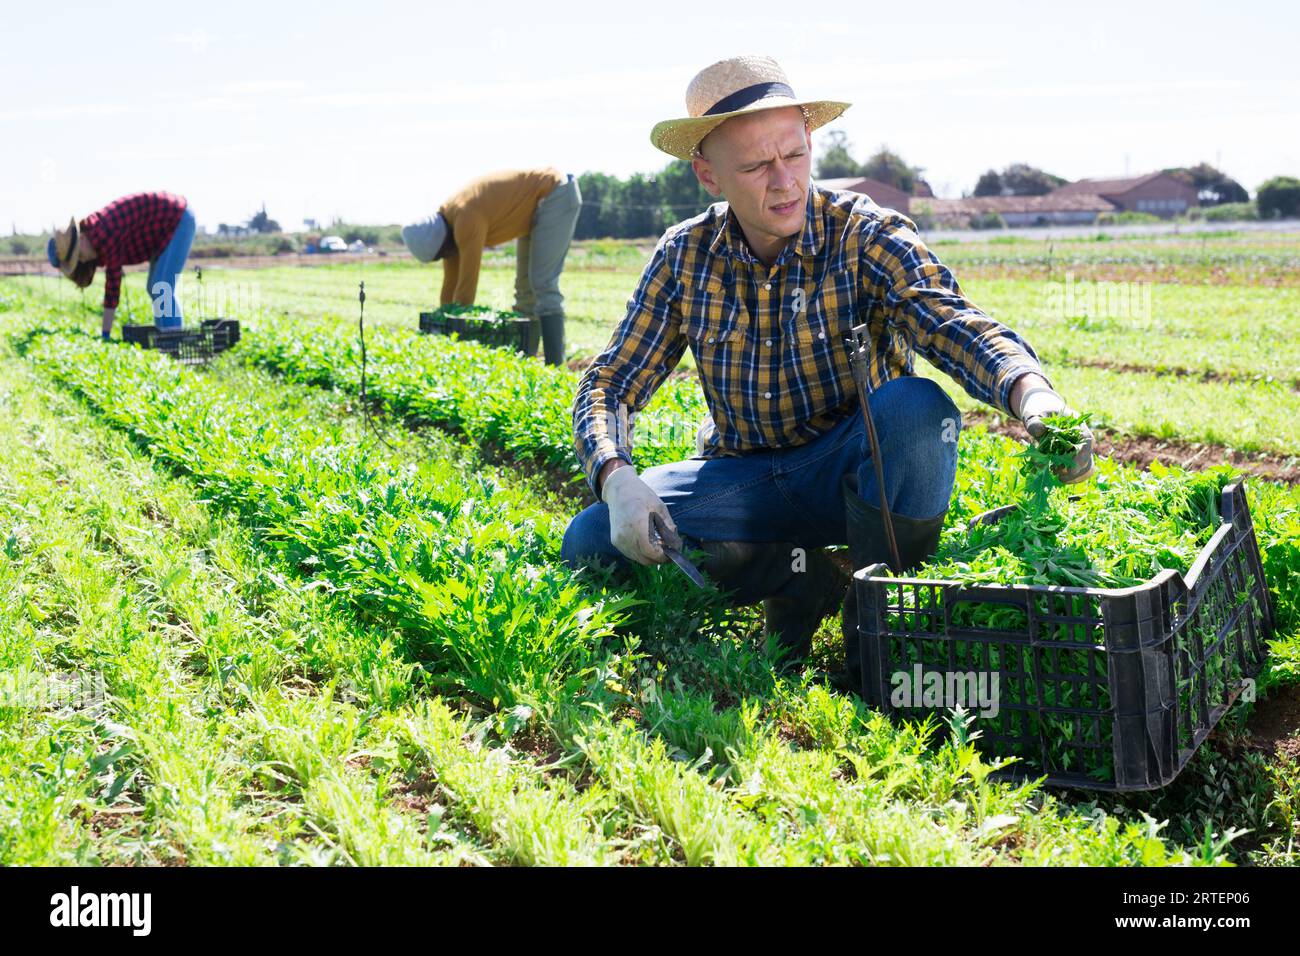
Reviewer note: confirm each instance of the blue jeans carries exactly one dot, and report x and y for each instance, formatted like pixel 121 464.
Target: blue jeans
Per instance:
pixel 165 272
pixel 793 494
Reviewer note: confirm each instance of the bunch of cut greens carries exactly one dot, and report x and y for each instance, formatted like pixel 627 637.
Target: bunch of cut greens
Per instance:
pixel 1117 531
pixel 1051 452
pixel 479 313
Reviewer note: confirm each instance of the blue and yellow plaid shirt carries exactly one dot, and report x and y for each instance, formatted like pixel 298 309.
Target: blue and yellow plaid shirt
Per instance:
pixel 769 343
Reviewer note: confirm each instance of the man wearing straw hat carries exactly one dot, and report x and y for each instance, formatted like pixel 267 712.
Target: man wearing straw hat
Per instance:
pixel 536 207
pixel 764 290
pixel 156 228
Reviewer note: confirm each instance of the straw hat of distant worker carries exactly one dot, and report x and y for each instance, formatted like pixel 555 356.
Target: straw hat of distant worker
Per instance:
pixel 65 251
pixel 742 84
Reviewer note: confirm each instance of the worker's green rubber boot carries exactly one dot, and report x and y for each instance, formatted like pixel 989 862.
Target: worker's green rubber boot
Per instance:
pixel 868 544
pixel 553 338
pixel 798 588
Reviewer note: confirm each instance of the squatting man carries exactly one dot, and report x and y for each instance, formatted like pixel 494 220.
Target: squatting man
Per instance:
pixel 764 289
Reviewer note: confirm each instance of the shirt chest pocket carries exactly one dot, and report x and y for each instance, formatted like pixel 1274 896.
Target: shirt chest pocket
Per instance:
pixel 712 318
pixel 830 316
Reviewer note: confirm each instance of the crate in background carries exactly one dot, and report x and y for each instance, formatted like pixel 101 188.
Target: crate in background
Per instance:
pixel 483 324
pixel 141 335
pixel 224 332
pixel 187 346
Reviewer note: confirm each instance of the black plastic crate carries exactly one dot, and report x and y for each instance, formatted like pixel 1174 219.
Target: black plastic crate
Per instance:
pixel 141 335
pixel 485 325
pixel 187 346
pixel 433 323
pixel 1107 689
pixel 224 332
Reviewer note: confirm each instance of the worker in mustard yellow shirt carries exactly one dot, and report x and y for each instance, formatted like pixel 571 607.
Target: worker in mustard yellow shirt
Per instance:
pixel 536 207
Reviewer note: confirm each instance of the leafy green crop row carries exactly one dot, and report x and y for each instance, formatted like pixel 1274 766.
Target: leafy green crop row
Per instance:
pixel 523 408
pixel 421 548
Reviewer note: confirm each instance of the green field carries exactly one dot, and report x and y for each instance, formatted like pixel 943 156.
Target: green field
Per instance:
pixel 322 647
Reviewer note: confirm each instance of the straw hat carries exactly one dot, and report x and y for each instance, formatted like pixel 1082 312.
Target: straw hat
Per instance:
pixel 64 248
pixel 64 252
pixel 742 84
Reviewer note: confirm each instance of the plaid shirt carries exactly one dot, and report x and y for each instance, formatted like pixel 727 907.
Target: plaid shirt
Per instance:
pixel 769 343
pixel 132 229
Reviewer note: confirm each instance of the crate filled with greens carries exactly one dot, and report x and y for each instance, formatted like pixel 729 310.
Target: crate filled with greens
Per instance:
pixel 1096 636
pixel 480 323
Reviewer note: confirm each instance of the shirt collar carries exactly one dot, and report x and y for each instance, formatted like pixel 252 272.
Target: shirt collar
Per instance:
pixel 730 240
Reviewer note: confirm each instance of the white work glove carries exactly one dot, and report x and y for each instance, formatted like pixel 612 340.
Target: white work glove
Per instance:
pixel 702 435
pixel 1035 405
pixel 631 502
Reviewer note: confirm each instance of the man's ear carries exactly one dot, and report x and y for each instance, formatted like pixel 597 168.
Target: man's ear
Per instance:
pixel 704 173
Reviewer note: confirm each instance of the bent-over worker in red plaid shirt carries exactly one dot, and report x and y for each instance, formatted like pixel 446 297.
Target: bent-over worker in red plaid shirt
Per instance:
pixel 764 289
pixel 157 228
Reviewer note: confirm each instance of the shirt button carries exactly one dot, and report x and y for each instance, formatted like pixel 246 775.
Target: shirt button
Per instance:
pixel 767 342
pixel 767 287
pixel 821 335
pixel 767 394
pixel 710 338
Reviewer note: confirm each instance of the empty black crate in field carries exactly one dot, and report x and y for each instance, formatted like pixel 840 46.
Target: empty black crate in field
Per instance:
pixel 187 346
pixel 1095 687
pixel 141 335
pixel 223 332
pixel 480 323
pixel 192 346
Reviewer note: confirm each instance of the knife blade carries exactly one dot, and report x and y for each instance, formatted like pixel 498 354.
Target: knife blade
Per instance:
pixel 660 535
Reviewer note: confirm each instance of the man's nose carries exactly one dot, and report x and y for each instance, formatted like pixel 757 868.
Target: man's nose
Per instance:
pixel 780 177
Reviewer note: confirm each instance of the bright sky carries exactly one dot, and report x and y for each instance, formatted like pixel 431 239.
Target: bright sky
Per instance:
pixel 374 111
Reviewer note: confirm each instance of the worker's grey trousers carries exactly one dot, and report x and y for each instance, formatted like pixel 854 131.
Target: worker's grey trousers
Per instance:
pixel 539 260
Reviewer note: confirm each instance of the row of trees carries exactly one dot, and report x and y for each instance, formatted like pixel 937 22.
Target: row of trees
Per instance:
pixel 885 166
pixel 1279 198
pixel 639 205
pixel 1018 179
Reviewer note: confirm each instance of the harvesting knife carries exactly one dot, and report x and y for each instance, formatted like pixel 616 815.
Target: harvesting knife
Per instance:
pixel 660 533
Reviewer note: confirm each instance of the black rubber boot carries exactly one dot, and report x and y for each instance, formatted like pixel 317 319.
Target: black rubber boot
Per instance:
pixel 552 328
pixel 917 540
pixel 797 592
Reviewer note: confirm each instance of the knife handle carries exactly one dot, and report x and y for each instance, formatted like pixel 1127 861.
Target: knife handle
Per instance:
pixel 659 533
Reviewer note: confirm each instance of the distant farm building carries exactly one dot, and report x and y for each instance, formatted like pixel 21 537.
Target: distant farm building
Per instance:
pixel 1156 193
pixel 882 194
pixel 1048 210
pixel 1073 204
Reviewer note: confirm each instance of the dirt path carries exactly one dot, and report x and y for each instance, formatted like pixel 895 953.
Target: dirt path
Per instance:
pixel 1203 375
pixel 1142 451
pixel 1275 723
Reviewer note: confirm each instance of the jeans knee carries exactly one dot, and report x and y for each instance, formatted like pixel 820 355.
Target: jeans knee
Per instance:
pixel 932 403
pixel 586 537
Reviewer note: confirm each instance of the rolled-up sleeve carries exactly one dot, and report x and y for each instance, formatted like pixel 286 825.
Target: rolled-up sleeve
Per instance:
pixel 646 346
pixel 925 302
